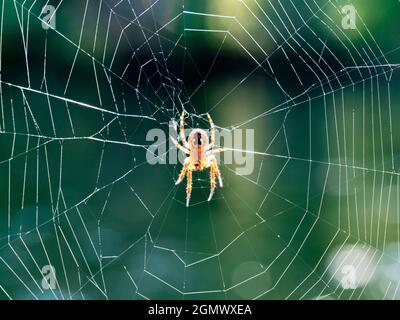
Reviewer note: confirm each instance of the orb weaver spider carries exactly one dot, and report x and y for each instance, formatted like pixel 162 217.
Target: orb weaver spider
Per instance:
pixel 200 155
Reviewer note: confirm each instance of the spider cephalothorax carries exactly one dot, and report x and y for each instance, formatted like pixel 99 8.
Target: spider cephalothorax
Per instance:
pixel 200 155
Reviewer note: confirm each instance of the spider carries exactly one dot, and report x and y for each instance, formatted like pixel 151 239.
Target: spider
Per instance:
pixel 200 155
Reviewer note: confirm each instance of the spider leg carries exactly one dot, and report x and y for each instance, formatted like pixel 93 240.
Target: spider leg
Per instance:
pixel 183 171
pixel 182 130
pixel 213 151
pixel 212 182
pixel 189 186
pixel 217 173
pixel 212 132
pixel 182 148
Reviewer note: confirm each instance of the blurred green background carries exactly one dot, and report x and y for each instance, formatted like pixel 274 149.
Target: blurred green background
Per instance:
pixel 78 193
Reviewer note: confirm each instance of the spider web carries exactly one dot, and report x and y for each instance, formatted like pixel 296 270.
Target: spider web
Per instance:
pixel 78 193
